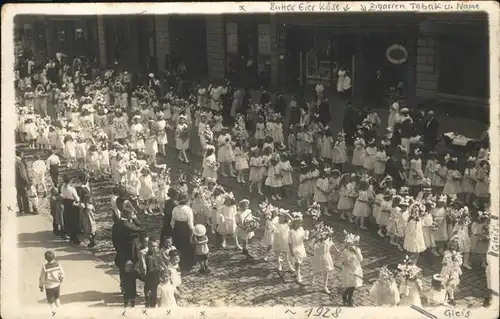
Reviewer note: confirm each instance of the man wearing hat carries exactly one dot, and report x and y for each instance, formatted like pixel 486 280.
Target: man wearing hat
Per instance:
pixel 430 131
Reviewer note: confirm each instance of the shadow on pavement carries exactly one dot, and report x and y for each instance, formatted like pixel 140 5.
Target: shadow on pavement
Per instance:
pixel 101 299
pixel 38 239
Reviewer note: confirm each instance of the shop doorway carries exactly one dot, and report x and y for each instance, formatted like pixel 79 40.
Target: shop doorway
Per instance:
pixel 189 44
pixel 378 73
pixel 248 51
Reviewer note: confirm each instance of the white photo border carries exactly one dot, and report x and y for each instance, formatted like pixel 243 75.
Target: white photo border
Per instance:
pixel 10 305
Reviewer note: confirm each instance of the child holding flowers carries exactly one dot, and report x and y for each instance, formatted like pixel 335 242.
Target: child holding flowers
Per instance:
pixel 414 242
pixel 411 283
pixel 280 244
pixel 322 261
pixel 480 231
pixel 385 290
pixel 296 240
pixel 246 225
pixel 352 274
pixel 451 270
pixel 270 215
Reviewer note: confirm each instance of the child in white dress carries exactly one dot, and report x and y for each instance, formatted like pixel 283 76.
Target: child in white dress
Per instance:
pixel 146 191
pixel 303 189
pixel 162 137
pixel 274 178
pixel 168 292
pixel 370 156
pixel 280 244
pixel 358 154
pixel 322 261
pixel 151 142
pixel 411 284
pixel 480 236
pixel 246 223
pixel 210 165
pixel 323 190
pixel 351 276
pixel 240 162
pixel 286 174
pixel 385 290
pixel 255 175
pixel 296 238
pixel 414 242
pixel 451 270
pixel 270 214
pixel 340 151
pixel 361 208
pixel 225 154
pixel 137 134
pixel 227 221
pixel 182 139
pixel 81 152
pixel 326 146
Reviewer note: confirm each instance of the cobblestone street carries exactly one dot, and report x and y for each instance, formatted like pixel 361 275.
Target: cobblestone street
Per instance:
pixel 235 281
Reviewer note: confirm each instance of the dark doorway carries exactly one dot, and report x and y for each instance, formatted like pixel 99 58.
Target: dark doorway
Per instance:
pixel 188 44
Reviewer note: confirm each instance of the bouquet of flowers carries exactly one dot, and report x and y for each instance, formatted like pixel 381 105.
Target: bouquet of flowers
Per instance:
pixel 296 216
pixel 417 211
pixel 321 232
pixel 184 133
pixel 267 209
pixel 239 131
pixel 133 165
pixel 208 134
pixel 251 223
pixel 314 211
pixel 351 238
pixel 197 180
pixel 408 270
pixel 463 216
pixel 385 275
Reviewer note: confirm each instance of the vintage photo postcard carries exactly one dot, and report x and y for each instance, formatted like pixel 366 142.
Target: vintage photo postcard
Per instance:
pixel 250 160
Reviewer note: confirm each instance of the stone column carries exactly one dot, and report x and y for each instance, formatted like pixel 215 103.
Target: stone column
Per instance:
pixel 216 49
pixel 162 36
pixel 101 42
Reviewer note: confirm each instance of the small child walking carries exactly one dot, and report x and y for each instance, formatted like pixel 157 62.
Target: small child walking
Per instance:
pixel 51 278
pixel 200 242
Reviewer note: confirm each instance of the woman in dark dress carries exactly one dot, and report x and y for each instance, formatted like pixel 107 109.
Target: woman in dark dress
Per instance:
pixel 71 214
pixel 182 229
pixel 170 203
pixel 324 112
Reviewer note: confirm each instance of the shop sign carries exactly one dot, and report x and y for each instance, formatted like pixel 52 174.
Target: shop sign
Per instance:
pixel 396 54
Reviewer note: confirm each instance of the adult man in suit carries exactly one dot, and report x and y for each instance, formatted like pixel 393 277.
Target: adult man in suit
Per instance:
pixel 430 131
pixel 22 183
pixel 123 234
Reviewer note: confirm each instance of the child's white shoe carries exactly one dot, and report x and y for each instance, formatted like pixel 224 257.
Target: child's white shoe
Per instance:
pixel 273 197
pixel 380 233
pixel 467 266
pixel 278 197
pixel 266 257
pixel 327 290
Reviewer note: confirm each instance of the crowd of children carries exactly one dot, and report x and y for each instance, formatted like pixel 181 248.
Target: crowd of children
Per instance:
pixel 417 204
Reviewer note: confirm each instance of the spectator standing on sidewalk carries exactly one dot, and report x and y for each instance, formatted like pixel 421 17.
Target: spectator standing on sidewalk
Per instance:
pixel 430 131
pixel 22 183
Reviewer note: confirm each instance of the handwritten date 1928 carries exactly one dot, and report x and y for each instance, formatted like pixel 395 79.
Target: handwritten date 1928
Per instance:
pixel 323 312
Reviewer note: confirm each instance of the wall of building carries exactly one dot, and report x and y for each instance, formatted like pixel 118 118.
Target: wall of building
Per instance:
pixel 216 54
pixel 426 83
pixel 162 42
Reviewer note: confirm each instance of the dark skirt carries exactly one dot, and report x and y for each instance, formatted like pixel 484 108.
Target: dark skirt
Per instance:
pixel 181 237
pixel 71 218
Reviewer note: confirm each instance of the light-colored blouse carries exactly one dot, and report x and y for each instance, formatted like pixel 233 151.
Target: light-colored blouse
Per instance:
pixel 182 213
pixel 69 192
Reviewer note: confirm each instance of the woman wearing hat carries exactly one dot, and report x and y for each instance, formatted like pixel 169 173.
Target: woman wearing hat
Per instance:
pixel 182 228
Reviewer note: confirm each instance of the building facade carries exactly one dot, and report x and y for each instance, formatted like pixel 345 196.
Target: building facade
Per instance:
pixel 435 57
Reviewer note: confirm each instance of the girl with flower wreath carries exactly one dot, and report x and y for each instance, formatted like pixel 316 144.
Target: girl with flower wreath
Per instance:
pixel 280 242
pixel 246 225
pixel 323 190
pixel 274 177
pixel 411 283
pixel 453 178
pixel 255 175
pixel 469 180
pixel 151 142
pixel 385 290
pixel 358 154
pixel 225 154
pixel 351 276
pixel 296 240
pixel 182 139
pixel 162 137
pixel 480 236
pixel 385 211
pixel 240 161
pixel 362 208
pixel 322 261
pixel 227 220
pixel 451 270
pixel 146 190
pixel 270 214
pixel 428 227
pixel 414 242
pixel 461 232
pixel 346 200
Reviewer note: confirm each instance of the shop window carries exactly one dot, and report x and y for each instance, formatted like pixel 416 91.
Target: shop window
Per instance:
pixel 232 58
pixel 264 49
pixel 463 66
